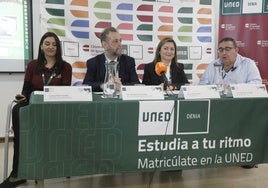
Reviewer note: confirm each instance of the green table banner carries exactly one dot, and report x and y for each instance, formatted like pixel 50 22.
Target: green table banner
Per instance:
pixel 60 139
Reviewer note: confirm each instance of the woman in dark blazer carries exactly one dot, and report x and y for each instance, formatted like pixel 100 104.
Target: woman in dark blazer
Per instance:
pixel 166 52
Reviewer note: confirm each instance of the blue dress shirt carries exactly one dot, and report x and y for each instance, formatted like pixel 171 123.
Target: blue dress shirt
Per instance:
pixel 243 71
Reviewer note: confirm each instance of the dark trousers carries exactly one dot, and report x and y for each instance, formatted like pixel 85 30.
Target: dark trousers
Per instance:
pixel 16 139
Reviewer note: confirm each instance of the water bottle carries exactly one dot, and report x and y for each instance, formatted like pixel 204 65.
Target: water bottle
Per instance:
pixel 109 85
pixel 217 79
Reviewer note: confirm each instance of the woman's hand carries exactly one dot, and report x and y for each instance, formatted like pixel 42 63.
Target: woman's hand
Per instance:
pixel 20 98
pixel 171 87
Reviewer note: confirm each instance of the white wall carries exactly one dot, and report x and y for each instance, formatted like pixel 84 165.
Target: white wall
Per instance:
pixel 10 85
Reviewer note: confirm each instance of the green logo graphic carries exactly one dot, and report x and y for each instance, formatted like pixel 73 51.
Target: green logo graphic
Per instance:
pixel 231 7
pixel 193 117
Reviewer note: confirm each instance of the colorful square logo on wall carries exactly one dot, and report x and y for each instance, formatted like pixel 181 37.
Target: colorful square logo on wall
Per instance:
pixel 156 118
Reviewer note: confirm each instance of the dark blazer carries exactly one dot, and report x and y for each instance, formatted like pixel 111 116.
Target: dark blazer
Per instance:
pixel 96 71
pixel 178 76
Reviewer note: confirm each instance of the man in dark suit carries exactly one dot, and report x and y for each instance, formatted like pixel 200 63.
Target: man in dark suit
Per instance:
pixel 111 43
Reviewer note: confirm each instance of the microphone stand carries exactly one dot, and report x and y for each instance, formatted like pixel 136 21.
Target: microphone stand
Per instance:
pixel 166 87
pixel 165 81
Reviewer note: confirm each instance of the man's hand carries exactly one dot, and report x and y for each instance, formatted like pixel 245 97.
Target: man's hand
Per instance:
pixel 118 83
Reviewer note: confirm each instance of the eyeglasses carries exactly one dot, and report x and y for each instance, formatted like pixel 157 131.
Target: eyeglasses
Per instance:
pixel 227 49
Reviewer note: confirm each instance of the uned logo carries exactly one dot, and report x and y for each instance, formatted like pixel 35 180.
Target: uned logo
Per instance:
pixel 156 118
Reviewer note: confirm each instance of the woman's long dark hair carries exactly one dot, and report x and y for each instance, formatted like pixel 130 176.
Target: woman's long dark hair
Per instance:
pixel 41 60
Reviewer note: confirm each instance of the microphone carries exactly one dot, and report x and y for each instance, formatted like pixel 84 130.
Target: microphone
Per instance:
pixel 160 70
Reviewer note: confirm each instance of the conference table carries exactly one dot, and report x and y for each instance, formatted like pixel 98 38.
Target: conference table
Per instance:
pixel 106 136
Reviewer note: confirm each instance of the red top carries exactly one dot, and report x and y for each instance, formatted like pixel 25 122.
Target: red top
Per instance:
pixel 64 78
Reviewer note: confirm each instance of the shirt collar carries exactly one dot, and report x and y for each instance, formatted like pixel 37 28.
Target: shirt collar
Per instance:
pixel 109 60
